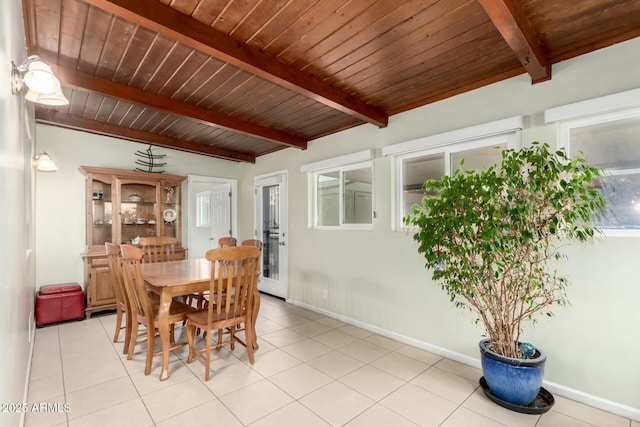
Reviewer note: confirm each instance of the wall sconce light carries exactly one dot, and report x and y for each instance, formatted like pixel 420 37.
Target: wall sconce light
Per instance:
pixel 43 86
pixel 43 162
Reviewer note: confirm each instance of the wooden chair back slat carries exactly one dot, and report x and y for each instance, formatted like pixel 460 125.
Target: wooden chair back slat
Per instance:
pixel 158 249
pixel 226 242
pixel 232 287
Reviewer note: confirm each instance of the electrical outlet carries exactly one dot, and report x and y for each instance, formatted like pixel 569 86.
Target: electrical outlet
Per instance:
pixel 325 294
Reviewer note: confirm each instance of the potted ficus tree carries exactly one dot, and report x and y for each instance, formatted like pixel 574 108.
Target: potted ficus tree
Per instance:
pixel 492 237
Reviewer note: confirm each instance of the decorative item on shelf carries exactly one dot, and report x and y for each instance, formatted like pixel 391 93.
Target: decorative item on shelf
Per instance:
pixel 169 215
pixel 151 222
pixel 97 195
pixel 150 161
pixel 169 191
pixel 135 198
pixel 140 221
pixel 135 240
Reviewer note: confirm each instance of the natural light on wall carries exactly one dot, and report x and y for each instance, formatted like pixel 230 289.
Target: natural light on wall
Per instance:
pixel 606 132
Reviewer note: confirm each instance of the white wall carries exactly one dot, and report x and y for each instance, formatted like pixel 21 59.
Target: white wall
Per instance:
pixel 16 226
pixel 377 277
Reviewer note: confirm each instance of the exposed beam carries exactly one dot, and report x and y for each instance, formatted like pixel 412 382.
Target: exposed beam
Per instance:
pixel 521 38
pixel 76 79
pixel 165 20
pixel 56 118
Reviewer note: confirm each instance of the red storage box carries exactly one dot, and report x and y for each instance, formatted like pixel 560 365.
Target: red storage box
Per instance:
pixel 57 303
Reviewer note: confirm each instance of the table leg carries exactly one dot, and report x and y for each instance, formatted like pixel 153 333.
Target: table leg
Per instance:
pixel 165 330
pixel 254 317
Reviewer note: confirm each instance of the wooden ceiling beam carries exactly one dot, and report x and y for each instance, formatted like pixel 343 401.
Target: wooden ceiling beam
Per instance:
pixel 165 20
pixel 520 36
pixel 86 82
pixel 56 118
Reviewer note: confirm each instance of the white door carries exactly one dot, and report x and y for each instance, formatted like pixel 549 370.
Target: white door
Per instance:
pixel 211 214
pixel 272 228
pixel 220 213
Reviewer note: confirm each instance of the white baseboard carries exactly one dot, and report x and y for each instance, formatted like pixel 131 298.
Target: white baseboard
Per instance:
pixel 558 389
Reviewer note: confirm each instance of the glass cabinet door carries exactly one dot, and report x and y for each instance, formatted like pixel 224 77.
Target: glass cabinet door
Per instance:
pixel 101 213
pixel 138 211
pixel 170 210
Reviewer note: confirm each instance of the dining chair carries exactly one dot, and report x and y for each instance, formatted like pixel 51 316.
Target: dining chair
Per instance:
pixel 123 303
pixel 162 249
pixel 113 256
pixel 231 287
pixel 142 307
pixel 249 242
pixel 252 242
pixel 158 248
pixel 225 242
pixel 201 299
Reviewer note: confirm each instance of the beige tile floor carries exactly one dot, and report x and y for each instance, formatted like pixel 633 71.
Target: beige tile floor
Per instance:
pixel 310 370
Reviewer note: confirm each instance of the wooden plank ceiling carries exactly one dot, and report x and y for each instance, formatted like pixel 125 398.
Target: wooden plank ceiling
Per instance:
pixel 238 79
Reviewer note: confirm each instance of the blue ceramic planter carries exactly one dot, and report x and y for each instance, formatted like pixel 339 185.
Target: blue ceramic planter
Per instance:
pixel 515 381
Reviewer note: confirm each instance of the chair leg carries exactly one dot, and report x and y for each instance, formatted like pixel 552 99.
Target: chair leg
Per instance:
pixel 132 339
pixel 116 335
pixel 151 333
pixel 220 332
pixel 172 334
pixel 127 334
pixel 232 337
pixel 207 360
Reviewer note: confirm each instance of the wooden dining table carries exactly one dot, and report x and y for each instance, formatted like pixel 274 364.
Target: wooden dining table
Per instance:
pixel 178 278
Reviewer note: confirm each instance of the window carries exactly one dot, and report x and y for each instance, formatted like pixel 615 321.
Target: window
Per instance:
pixel 203 209
pixel 439 155
pixel 342 192
pixel 606 132
pixel 611 142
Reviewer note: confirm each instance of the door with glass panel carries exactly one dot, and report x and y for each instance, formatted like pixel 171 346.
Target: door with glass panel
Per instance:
pixel 271 227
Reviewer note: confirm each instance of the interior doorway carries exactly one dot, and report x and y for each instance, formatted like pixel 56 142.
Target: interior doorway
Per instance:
pixel 212 212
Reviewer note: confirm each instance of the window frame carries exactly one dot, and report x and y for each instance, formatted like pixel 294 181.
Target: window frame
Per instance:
pixel 506 131
pixel 612 107
pixel 341 164
pixel 341 194
pixel 564 137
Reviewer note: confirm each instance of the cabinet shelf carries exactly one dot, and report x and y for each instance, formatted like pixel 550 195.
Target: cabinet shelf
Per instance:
pixel 126 202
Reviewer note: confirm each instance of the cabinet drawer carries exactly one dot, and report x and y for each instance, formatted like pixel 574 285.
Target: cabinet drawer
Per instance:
pixel 99 262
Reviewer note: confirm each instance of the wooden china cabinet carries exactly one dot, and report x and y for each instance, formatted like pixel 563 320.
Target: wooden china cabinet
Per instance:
pixel 123 206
